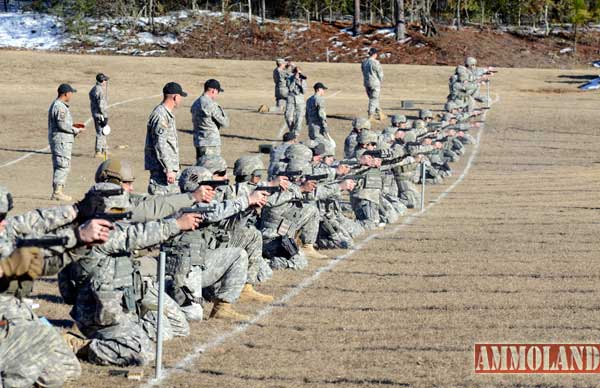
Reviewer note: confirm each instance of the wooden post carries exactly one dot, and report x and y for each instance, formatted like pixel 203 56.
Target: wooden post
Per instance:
pixel 356 20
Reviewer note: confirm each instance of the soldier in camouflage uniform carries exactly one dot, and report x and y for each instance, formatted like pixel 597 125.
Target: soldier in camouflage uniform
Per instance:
pixel 294 110
pixel 112 304
pixel 280 76
pixel 161 153
pixel 316 117
pixel 99 107
pixel 359 124
pixel 277 153
pixel 479 75
pixel 61 135
pixel 195 260
pixel 208 118
pixel 43 359
pixel 372 77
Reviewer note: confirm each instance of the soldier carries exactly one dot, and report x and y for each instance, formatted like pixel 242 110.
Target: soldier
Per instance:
pixel 195 261
pixel 372 78
pixel 61 135
pixel 359 124
pixel 208 118
pixel 161 153
pixel 280 76
pixel 99 106
pixel 294 110
pixel 33 352
pixel 277 153
pixel 316 117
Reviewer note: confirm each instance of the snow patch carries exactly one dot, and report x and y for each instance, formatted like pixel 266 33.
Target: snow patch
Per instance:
pixel 31 31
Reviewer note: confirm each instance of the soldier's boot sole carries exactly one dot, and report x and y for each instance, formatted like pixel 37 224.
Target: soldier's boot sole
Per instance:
pixel 249 294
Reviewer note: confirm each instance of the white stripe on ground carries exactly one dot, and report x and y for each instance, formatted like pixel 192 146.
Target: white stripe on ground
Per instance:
pixel 307 282
pixel 47 148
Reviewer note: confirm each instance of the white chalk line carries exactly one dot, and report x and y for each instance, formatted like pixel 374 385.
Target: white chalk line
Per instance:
pixel 218 340
pixel 47 148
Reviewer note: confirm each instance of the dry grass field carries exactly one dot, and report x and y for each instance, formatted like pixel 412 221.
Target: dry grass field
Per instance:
pixel 510 254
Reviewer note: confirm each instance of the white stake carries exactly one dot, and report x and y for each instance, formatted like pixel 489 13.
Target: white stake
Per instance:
pixel 159 323
pixel 423 170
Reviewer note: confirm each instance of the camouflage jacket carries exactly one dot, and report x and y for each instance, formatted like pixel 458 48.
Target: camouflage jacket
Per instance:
pixel 315 111
pixel 60 123
pixel 296 86
pixel 208 118
pixel 161 152
pixel 98 102
pixel 372 73
pixel 280 79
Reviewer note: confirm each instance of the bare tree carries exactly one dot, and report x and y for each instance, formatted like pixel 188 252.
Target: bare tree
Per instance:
pixel 399 20
pixel 356 20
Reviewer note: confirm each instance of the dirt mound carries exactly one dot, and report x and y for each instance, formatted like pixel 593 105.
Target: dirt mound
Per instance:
pixel 237 39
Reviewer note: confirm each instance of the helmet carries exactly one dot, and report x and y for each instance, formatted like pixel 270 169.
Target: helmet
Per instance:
pixel 397 119
pixel 450 106
pixel 367 137
pixel 389 131
pixel 298 151
pixel 299 165
pixel 247 165
pixel 6 201
pixel 103 197
pixel 425 114
pixel 191 177
pixel 361 123
pixel 470 61
pixel 213 163
pixel 115 171
pixel 448 116
pixel 419 124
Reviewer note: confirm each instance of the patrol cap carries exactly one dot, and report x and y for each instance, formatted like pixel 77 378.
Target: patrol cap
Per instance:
pixel 66 88
pixel 289 136
pixel 174 88
pixel 249 165
pixel 213 84
pixel 213 163
pixel 280 61
pixel 191 178
pixel 320 85
pixel 6 202
pixel 101 77
pixel 372 51
pixel 398 119
pixel 115 171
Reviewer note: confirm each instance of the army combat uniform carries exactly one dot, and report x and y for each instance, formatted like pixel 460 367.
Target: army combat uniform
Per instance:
pixel 372 78
pixel 61 135
pixel 161 153
pixel 281 90
pixel 208 118
pixel 316 118
pixel 294 110
pixel 99 107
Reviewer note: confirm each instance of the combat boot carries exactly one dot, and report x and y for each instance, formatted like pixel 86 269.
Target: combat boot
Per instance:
pixel 309 251
pixel 224 310
pixel 99 155
pixel 263 109
pixel 59 195
pixel 77 343
pixel 249 294
pixel 372 119
pixel 382 115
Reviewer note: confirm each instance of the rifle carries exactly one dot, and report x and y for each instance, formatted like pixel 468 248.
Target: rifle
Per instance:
pixel 42 242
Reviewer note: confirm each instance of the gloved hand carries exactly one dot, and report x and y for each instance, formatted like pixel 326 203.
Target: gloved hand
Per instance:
pixel 104 122
pixel 23 261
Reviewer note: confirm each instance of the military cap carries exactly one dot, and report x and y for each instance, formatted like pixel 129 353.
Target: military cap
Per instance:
pixel 367 137
pixel 174 88
pixel 320 85
pixel 213 84
pixel 114 171
pixel 192 177
pixel 101 77
pixel 66 88
pixel 6 201
pixel 249 165
pixel 289 136
pixel 372 51
pixel 212 163
pixel 398 119
pixel 361 123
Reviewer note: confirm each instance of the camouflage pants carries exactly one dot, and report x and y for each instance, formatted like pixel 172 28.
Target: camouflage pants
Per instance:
pixel 31 351
pixel 309 223
pixel 226 269
pixel 390 209
pixel 366 212
pixel 61 162
pixel 332 233
pixel 316 132
pixel 373 94
pixel 175 322
pixel 158 184
pixel 408 193
pixel 100 138
pixel 468 139
pixel 294 114
pixel 207 150
pixel 250 239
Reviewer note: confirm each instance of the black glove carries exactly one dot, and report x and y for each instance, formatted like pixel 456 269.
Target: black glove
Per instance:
pixel 104 122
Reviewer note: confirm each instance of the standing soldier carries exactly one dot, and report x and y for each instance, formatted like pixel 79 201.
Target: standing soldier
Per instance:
pixel 208 118
pixel 99 107
pixel 294 110
pixel 61 135
pixel 161 153
pixel 316 117
pixel 280 75
pixel 372 77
